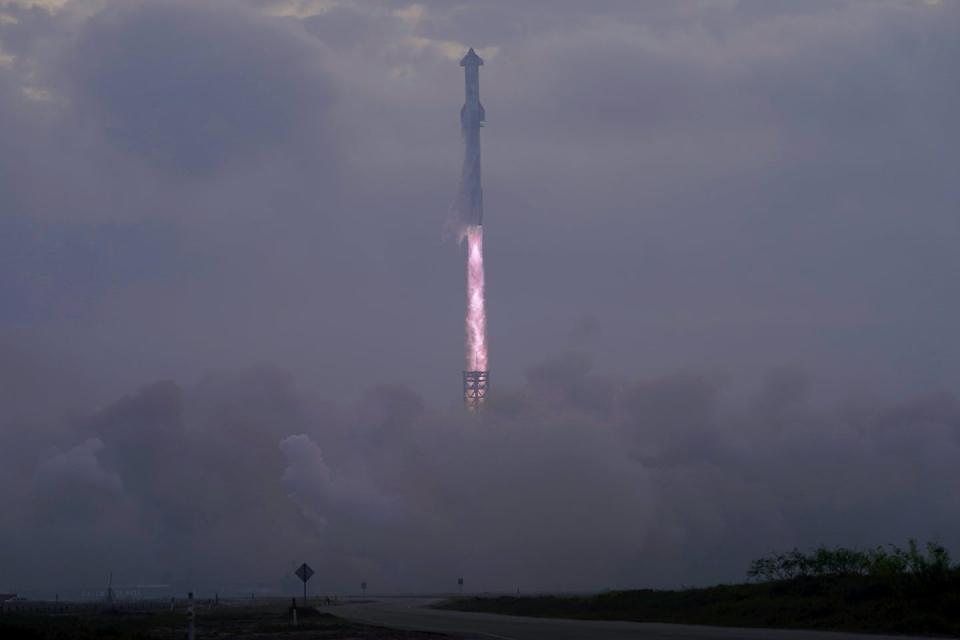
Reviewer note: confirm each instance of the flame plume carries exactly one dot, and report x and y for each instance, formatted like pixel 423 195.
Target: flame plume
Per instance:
pixel 476 311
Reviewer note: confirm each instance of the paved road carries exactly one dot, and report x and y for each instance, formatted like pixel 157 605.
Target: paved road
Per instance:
pixel 410 613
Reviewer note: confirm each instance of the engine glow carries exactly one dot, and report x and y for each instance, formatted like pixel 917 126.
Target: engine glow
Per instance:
pixel 476 309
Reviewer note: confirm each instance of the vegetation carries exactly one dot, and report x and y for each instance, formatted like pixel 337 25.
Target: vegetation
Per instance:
pixel 884 590
pixel 906 567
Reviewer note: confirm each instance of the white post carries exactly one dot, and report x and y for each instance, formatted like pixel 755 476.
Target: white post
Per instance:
pixel 191 634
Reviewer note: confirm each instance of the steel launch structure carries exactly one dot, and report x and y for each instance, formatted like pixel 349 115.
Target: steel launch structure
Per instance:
pixel 469 204
pixel 474 389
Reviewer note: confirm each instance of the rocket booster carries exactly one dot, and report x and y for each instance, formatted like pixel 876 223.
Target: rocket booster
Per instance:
pixel 472 116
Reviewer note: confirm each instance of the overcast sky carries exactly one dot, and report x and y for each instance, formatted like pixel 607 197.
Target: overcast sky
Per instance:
pixel 699 214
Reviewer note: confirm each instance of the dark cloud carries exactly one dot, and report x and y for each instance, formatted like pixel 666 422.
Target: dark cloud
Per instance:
pixel 192 88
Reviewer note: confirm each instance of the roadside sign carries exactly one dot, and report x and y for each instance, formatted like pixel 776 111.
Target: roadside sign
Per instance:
pixel 304 572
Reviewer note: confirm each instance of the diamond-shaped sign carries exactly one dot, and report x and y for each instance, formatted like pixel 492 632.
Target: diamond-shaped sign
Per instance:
pixel 304 572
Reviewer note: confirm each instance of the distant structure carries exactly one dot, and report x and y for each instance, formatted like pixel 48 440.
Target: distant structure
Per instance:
pixel 474 389
pixel 108 596
pixel 470 209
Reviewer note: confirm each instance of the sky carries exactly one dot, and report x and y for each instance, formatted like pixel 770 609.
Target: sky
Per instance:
pixel 720 240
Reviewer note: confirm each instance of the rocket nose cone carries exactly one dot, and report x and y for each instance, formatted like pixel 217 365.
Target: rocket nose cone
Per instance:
pixel 471 59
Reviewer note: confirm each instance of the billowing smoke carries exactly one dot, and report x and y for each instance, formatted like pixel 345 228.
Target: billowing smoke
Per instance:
pixel 574 480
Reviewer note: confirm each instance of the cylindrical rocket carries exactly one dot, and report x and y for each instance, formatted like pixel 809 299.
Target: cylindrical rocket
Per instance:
pixel 472 116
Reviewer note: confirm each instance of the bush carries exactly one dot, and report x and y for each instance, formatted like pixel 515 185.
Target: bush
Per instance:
pixel 891 563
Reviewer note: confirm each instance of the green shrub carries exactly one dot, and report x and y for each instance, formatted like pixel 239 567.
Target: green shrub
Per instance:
pixel 890 564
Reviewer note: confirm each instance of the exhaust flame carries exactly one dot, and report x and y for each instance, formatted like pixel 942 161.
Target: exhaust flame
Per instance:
pixel 476 311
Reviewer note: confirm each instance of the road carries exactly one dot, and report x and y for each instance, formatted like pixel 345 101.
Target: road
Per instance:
pixel 410 613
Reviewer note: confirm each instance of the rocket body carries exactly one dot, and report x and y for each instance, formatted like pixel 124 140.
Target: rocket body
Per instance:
pixel 472 116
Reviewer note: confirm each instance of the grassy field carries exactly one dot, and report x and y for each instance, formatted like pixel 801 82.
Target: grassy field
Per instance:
pixel 842 603
pixel 263 622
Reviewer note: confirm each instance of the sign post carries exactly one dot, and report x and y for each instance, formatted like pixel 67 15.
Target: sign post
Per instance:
pixel 304 572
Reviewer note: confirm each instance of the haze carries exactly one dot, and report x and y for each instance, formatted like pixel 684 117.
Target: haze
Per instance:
pixel 721 251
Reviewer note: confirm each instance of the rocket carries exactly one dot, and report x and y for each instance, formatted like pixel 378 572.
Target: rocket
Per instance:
pixel 469 205
pixel 472 114
pixel 472 117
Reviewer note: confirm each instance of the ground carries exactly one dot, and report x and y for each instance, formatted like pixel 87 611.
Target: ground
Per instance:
pixel 852 603
pixel 261 622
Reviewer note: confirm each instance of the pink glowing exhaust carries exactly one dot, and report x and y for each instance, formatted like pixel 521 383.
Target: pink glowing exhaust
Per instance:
pixel 476 311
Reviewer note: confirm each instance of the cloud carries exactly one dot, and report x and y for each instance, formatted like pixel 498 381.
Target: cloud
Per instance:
pixel 192 89
pixel 722 187
pixel 37 94
pixel 411 14
pixel 51 6
pixel 322 495
pixel 78 467
pixel 280 183
pixel 302 8
pixel 574 480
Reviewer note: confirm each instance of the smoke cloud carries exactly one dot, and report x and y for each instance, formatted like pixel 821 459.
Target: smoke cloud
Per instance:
pixel 716 189
pixel 573 480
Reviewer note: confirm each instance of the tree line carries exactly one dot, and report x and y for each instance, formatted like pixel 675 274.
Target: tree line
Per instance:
pixel 927 565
